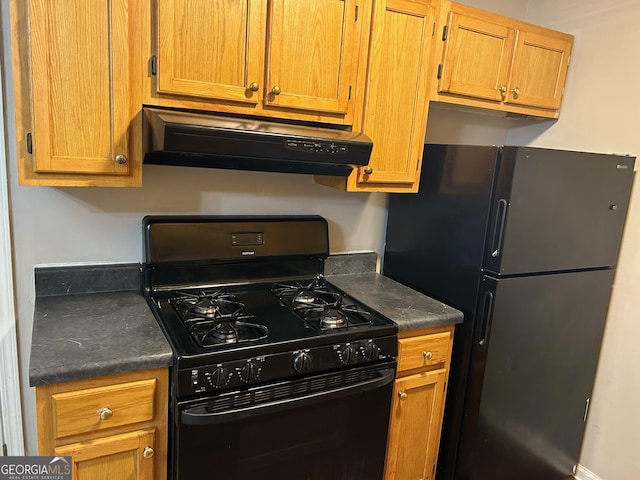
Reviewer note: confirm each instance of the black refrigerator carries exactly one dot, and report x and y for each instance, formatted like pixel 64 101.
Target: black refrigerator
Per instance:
pixel 524 241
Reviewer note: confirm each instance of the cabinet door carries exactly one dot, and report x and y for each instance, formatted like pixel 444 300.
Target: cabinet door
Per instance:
pixel 539 69
pixel 414 432
pixel 80 86
pixel 127 456
pixel 395 114
pixel 312 53
pixel 477 58
pixel 211 48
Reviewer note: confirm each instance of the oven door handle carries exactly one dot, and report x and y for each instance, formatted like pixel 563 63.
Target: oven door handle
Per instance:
pixel 200 416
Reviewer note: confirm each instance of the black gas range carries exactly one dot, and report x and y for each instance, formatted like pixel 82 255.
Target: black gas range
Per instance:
pixel 259 334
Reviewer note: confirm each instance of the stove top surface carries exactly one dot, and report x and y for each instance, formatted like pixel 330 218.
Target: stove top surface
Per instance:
pixel 254 319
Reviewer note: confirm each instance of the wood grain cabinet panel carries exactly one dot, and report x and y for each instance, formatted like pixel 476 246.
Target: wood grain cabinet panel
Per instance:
pixel 415 426
pixel 418 403
pixel 396 102
pixel 278 58
pixel 495 62
pixel 73 93
pixel 127 456
pixel 539 69
pixel 92 409
pixel 211 48
pixel 311 53
pixel 113 427
pixel 423 351
pixel 477 57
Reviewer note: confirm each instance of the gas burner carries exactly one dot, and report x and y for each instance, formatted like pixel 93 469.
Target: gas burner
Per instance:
pixel 216 304
pixel 298 296
pixel 305 297
pixel 217 318
pixel 332 318
pixel 320 307
pixel 232 332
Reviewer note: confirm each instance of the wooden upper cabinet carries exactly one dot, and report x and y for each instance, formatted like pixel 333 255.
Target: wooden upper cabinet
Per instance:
pixel 211 48
pixel 72 91
pixel 477 58
pixel 311 54
pixel 282 58
pixel 501 63
pixel 396 103
pixel 539 69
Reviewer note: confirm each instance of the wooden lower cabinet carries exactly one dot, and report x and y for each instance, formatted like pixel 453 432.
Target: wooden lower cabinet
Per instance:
pixel 418 404
pixel 129 455
pixel 112 427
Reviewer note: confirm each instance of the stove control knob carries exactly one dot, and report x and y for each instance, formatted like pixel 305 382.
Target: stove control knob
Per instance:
pixel 249 372
pixel 219 377
pixel 347 354
pixel 371 351
pixel 301 362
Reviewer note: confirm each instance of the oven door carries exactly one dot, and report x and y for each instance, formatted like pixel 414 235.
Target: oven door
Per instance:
pixel 330 426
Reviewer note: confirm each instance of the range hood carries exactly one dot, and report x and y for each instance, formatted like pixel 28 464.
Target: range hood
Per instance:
pixel 204 140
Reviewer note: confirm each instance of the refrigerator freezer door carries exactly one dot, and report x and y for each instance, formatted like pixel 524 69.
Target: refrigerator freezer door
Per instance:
pixel 556 210
pixel 541 343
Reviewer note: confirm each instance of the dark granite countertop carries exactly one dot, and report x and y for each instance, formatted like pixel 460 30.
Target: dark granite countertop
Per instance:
pixel 409 309
pixel 91 334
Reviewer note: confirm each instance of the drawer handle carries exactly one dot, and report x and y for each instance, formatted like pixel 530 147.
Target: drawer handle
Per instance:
pixel 105 413
pixel 427 355
pixel 402 395
pixel 148 452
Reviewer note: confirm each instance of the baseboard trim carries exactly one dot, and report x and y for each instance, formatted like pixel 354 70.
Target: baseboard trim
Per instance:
pixel 583 473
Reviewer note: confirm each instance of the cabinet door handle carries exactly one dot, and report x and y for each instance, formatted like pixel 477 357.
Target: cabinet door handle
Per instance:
pixel 120 159
pixel 254 87
pixel 427 355
pixel 503 89
pixel 148 452
pixel 402 395
pixel 105 413
pixel 516 92
pixel 276 90
pixel 368 170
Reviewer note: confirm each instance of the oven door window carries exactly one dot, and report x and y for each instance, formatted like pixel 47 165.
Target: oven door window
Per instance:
pixel 324 427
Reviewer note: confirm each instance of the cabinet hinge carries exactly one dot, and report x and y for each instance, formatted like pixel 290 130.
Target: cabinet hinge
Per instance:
pixel 153 65
pixel 440 67
pixel 433 471
pixel 5 452
pixel 29 143
pixel 349 93
pixel 433 29
pixel 445 30
pixel 357 8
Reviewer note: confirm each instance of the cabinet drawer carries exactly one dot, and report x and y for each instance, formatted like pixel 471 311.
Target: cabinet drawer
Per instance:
pixel 423 351
pixel 99 408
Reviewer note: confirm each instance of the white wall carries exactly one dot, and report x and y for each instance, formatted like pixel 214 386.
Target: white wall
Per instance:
pixel 600 113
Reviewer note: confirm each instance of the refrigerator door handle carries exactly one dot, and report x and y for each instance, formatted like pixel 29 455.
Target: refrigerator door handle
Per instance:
pixel 486 312
pixel 498 231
